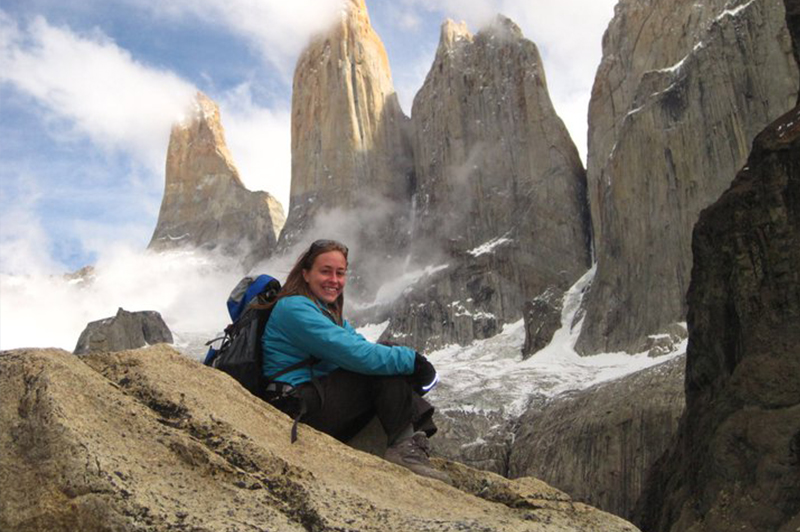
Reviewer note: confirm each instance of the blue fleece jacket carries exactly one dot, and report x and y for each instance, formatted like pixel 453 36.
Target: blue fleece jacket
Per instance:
pixel 298 328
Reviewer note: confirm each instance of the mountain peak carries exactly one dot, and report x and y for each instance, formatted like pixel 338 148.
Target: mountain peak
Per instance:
pixel 452 32
pixel 205 203
pixel 349 141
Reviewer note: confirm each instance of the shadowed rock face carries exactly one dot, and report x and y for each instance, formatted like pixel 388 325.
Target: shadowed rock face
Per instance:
pixel 598 444
pixel 500 190
pixel 682 90
pixel 126 330
pixel 542 319
pixel 205 204
pixel 351 153
pixel 736 463
pixel 150 440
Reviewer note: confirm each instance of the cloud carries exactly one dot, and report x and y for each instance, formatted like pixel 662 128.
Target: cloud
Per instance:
pixel 24 243
pixel 94 88
pixel 189 289
pixel 259 139
pixel 277 29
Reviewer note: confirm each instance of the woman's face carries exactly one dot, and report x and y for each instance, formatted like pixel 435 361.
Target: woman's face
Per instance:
pixel 327 276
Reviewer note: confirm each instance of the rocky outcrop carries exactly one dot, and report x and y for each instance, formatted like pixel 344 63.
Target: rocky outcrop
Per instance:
pixel 736 463
pixel 500 195
pixel 205 204
pixel 542 319
pixel 81 277
pixel 136 441
pixel 126 330
pixel 351 155
pixel 481 440
pixel 598 444
pixel 682 90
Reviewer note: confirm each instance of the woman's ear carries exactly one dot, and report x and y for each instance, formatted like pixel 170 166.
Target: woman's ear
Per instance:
pixel 305 275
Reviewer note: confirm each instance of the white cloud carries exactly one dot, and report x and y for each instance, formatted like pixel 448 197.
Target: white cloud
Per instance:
pixel 24 243
pixel 97 237
pixel 189 290
pixel 95 86
pixel 276 28
pixel 259 139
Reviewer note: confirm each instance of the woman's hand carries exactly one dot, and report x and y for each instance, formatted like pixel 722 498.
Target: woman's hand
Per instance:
pixel 424 378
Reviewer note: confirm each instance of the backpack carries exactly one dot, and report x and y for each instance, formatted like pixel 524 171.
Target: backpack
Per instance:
pixel 240 353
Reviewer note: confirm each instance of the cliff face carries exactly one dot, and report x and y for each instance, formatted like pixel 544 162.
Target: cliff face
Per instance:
pixel 682 90
pixel 350 147
pixel 500 190
pixel 736 464
pixel 599 444
pixel 205 204
pixel 150 440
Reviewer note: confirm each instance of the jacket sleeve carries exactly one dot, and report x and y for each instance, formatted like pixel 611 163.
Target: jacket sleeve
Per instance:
pixel 304 325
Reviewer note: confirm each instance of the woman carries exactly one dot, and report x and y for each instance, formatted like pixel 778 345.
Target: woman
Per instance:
pixel 321 370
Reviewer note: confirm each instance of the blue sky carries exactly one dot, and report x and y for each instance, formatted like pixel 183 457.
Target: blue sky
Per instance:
pixel 89 89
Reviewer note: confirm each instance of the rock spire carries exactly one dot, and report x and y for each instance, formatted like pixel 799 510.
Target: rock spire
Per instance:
pixel 205 204
pixel 736 461
pixel 682 90
pixel 350 148
pixel 500 189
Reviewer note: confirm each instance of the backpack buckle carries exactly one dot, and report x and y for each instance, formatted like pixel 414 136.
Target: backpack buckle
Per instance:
pixel 277 389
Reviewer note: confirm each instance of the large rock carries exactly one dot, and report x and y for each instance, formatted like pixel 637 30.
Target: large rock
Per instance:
pixel 682 90
pixel 500 195
pixel 150 440
pixel 542 318
pixel 125 330
pixel 205 204
pixel 481 440
pixel 598 444
pixel 352 164
pixel 736 463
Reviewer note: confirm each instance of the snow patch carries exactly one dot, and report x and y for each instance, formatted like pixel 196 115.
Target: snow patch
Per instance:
pixel 677 66
pixel 735 11
pixel 174 238
pixel 373 331
pixel 490 376
pixel 390 291
pixel 489 247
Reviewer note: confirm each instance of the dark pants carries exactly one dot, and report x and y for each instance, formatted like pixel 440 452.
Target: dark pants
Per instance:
pixel 350 400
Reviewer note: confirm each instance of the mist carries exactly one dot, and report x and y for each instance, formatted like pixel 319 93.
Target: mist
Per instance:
pixel 188 288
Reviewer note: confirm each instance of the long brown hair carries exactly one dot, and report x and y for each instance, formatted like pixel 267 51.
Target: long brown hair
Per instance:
pixel 296 284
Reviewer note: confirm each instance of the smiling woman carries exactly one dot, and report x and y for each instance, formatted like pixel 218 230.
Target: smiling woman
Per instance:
pixel 327 276
pixel 321 371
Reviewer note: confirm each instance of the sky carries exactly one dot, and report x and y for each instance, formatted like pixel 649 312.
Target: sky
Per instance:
pixel 89 90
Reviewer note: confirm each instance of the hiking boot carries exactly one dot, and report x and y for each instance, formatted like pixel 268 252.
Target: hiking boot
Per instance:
pixel 412 453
